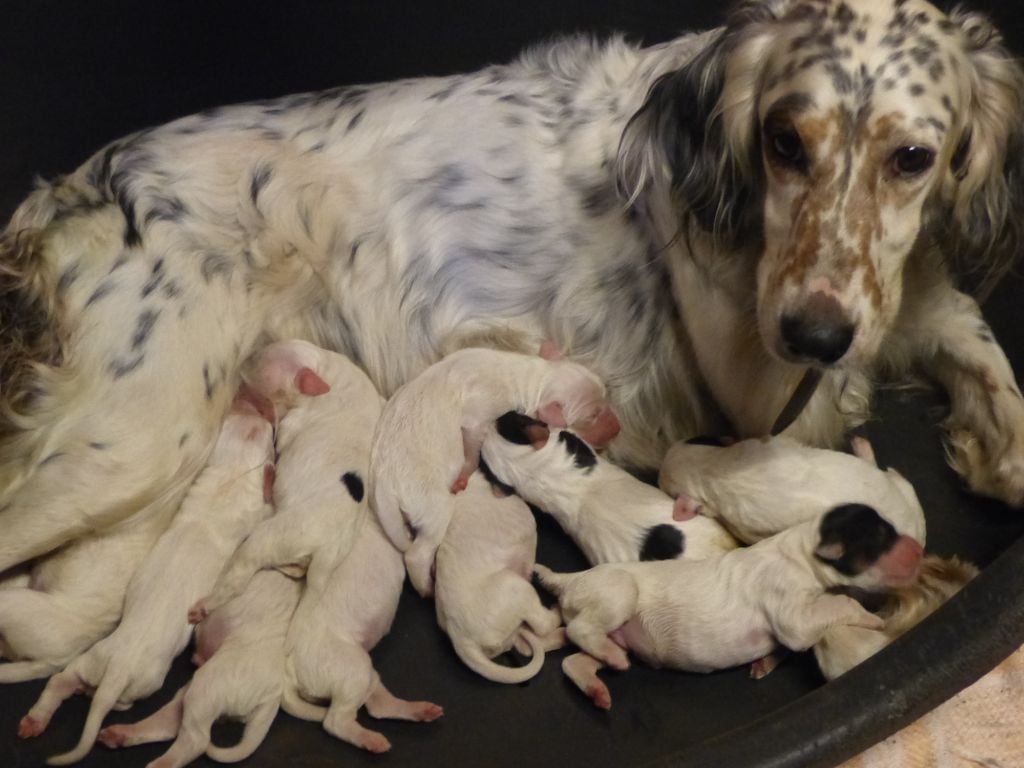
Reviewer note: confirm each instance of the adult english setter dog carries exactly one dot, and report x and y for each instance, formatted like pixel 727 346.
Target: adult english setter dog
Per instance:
pixel 700 222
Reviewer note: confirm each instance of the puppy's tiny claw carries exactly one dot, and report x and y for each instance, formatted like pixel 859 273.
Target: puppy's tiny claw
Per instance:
pixel 601 696
pixel 430 712
pixel 112 737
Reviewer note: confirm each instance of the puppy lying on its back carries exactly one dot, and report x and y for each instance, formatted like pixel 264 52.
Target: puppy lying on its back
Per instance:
pixel 611 515
pixel 703 615
pixel 759 487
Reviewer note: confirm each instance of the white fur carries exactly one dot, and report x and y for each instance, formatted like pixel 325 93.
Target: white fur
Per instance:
pixel 431 431
pixel 483 595
pixel 242 678
pixel 225 503
pixel 605 510
pixel 760 487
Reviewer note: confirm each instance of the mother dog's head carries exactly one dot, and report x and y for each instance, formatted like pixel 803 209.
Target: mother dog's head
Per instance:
pixel 835 136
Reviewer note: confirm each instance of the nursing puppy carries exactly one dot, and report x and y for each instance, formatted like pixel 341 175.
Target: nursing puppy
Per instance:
pixel 242 648
pixel 842 648
pixel 227 500
pixel 759 487
pixel 73 597
pixel 483 595
pixel 330 411
pixel 420 459
pixel 703 615
pixel 611 515
pixel 340 618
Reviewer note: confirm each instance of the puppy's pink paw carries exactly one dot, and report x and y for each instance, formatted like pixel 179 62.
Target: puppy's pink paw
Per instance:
pixel 197 613
pixel 685 507
pixel 29 727
pixel 112 736
pixel 763 667
pixel 460 484
pixel 600 695
pixel 375 742
pixel 429 712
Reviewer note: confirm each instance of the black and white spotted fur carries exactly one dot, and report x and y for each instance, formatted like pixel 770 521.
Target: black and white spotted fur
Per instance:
pixel 396 221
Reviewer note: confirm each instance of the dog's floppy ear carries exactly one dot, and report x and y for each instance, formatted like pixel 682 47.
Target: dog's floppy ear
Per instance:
pixel 984 233
pixel 695 142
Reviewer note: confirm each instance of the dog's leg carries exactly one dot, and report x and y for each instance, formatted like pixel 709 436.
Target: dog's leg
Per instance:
pixel 162 725
pixel 600 611
pixel 800 625
pixel 61 686
pixel 582 669
pixel 353 682
pixel 384 704
pixel 986 423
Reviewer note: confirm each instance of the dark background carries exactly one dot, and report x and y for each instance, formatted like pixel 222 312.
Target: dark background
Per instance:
pixel 76 75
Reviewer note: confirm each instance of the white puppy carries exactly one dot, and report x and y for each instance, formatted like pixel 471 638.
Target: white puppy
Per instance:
pixel 227 500
pixel 429 436
pixel 335 626
pixel 842 648
pixel 331 409
pixel 611 515
pixel 242 676
pixel 703 615
pixel 73 597
pixel 759 487
pixel 483 595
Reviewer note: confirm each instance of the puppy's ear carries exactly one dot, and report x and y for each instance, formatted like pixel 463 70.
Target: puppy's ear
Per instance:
pixel 830 552
pixel 695 141
pixel 522 430
pixel 984 233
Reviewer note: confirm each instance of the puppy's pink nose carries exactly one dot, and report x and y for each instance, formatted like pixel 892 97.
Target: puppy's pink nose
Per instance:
pixel 900 564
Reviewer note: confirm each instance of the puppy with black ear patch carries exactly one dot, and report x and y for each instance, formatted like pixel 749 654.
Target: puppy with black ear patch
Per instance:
pixel 483 595
pixel 612 516
pixel 703 615
pixel 428 441
pixel 759 487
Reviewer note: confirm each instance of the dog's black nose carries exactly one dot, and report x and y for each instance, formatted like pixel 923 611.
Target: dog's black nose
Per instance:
pixel 820 331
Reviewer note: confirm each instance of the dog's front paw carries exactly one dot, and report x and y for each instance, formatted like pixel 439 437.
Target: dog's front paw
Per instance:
pixel 993 467
pixel 197 613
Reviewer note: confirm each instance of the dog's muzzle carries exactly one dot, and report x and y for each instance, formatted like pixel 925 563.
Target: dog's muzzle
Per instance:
pixel 820 332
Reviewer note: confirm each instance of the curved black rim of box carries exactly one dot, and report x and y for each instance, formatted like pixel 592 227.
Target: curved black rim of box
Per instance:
pixel 946 653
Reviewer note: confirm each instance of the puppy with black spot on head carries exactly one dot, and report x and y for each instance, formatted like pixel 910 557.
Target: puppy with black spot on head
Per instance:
pixel 428 440
pixel 324 528
pixel 483 595
pixel 229 498
pixel 759 487
pixel 610 514
pixel 703 615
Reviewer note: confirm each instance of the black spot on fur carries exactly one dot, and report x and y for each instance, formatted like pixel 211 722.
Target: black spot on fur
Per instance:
pixel 121 368
pixel 512 427
pixel 662 542
pixel 494 480
pixel 172 290
pixel 103 289
pixel 155 278
pixel 260 176
pixel 356 118
pixel 354 484
pixel 144 328
pixel 862 533
pixel 67 278
pixel 166 209
pixel 214 264
pixel 916 89
pixel 582 454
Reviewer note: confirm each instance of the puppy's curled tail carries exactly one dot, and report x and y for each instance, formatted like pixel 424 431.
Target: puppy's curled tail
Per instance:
pixel 256 728
pixel 114 683
pixel 20 671
pixel 386 506
pixel 293 703
pixel 555 583
pixel 474 658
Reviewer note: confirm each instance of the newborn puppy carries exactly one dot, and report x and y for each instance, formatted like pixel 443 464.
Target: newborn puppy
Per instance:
pixel 483 595
pixel 611 515
pixel 227 500
pixel 759 487
pixel 330 411
pixel 842 648
pixel 340 618
pixel 73 597
pixel 703 615
pixel 429 436
pixel 242 677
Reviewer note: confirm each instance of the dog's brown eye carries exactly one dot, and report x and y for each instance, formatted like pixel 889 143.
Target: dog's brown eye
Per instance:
pixel 912 161
pixel 785 145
